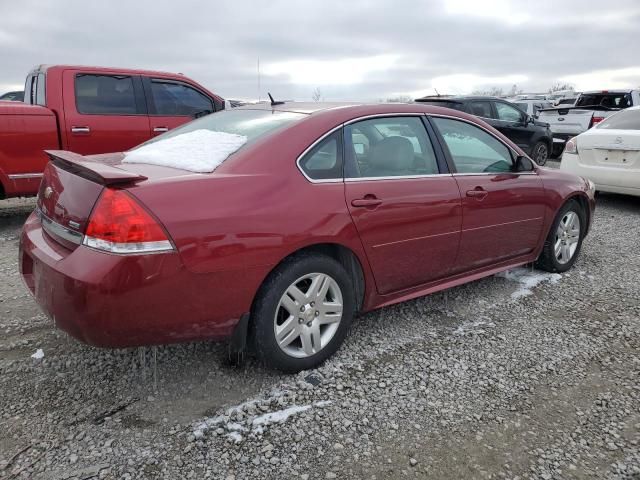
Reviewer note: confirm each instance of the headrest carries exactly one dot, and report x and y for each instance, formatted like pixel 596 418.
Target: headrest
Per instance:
pixel 392 153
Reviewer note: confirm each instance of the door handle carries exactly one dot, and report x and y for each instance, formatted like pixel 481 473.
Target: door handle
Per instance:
pixel 478 193
pixel 367 201
pixel 80 130
pixel 160 129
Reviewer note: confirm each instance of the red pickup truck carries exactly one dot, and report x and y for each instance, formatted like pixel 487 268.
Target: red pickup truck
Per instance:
pixel 90 110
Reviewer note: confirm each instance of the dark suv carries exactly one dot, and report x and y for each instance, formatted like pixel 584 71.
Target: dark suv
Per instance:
pixel 530 135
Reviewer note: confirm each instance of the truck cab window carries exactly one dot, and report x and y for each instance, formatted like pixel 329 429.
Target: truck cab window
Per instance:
pixel 105 95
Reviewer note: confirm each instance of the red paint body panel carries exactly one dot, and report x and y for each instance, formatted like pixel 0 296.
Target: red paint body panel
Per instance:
pixel 412 237
pixel 231 228
pixel 27 130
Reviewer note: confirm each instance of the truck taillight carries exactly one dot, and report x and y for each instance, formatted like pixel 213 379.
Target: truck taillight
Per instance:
pixel 119 224
pixel 595 120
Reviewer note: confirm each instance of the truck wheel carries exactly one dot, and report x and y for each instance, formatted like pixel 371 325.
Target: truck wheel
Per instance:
pixel 302 313
pixel 540 153
pixel 563 243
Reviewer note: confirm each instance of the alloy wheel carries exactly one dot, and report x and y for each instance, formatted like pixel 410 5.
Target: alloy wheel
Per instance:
pixel 308 315
pixel 567 237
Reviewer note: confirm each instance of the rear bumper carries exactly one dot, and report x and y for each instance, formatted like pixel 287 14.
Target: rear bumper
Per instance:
pixel 111 300
pixel 606 179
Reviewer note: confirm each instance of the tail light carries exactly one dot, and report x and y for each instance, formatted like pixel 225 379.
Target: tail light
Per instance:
pixel 595 120
pixel 119 224
pixel 572 146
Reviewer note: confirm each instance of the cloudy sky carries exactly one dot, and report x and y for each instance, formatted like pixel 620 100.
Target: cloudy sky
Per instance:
pixel 355 49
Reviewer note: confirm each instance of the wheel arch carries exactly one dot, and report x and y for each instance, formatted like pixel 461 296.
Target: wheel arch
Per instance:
pixel 339 252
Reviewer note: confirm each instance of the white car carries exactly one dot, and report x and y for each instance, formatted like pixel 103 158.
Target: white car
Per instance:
pixel 532 107
pixel 608 154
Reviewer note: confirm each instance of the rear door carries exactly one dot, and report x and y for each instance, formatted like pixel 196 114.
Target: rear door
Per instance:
pixel 503 210
pixel 403 201
pixel 103 112
pixel 172 103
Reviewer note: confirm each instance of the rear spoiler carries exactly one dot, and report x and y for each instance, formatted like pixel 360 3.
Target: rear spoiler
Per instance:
pixel 91 170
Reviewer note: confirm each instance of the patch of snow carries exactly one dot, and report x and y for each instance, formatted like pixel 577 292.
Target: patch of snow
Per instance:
pixel 528 279
pixel 199 151
pixel 279 416
pixel 468 326
pixel 38 355
pixel 235 436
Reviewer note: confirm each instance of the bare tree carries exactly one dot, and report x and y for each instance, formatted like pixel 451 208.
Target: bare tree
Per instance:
pixel 558 87
pixel 399 99
pixel 316 95
pixel 491 92
pixel 515 90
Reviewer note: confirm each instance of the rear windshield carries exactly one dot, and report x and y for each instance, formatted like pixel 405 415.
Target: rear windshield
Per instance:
pixel 249 123
pixel 625 120
pixel 608 100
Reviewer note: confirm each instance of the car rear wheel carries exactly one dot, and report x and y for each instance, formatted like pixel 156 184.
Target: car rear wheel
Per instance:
pixel 540 153
pixel 563 243
pixel 302 313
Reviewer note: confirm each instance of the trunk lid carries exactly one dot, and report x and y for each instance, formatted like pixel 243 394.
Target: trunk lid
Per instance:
pixel 72 183
pixel 569 121
pixel 619 149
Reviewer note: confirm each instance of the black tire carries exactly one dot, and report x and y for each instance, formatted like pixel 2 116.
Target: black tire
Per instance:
pixel 267 301
pixel 540 153
pixel 547 260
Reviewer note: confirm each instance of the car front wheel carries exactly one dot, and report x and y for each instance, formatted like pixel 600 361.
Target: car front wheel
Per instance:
pixel 563 243
pixel 302 313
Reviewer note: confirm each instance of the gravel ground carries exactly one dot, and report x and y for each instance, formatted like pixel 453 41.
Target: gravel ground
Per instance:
pixel 525 375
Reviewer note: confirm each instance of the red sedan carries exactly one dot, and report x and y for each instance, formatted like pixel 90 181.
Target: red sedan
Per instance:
pixel 310 213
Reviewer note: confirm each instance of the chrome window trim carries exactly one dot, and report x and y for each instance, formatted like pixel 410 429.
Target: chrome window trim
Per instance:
pixel 311 147
pixel 398 177
pixel 451 117
pixel 476 174
pixel 17 176
pixel 405 177
pixel 53 228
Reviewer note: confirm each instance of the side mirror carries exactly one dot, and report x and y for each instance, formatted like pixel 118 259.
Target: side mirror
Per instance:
pixel 523 164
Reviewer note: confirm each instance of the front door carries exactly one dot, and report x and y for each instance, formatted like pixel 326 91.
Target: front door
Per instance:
pixel 503 210
pixel 514 124
pixel 173 103
pixel 104 113
pixel 405 207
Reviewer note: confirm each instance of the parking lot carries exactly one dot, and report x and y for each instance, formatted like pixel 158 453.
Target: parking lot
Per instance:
pixel 524 375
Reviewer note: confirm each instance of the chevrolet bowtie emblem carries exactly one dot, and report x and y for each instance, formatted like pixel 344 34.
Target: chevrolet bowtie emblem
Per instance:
pixel 48 192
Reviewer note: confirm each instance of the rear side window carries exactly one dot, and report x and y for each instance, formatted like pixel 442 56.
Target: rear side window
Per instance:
pixel 105 94
pixel 445 104
pixel 608 100
pixel 472 149
pixel 388 147
pixel 481 108
pixel 624 120
pixel 324 161
pixel 177 99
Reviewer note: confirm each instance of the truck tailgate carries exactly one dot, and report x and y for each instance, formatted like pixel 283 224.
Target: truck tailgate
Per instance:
pixel 566 121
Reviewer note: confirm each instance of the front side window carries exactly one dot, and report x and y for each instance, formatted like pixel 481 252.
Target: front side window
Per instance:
pixel 508 113
pixel 177 99
pixel 472 149
pixel 389 147
pixel 324 161
pixel 624 120
pixel 105 95
pixel 481 108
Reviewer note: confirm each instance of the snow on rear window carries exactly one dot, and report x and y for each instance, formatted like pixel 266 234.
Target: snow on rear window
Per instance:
pixel 199 151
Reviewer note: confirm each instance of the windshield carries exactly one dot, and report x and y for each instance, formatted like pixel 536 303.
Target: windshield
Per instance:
pixel 624 120
pixel 248 123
